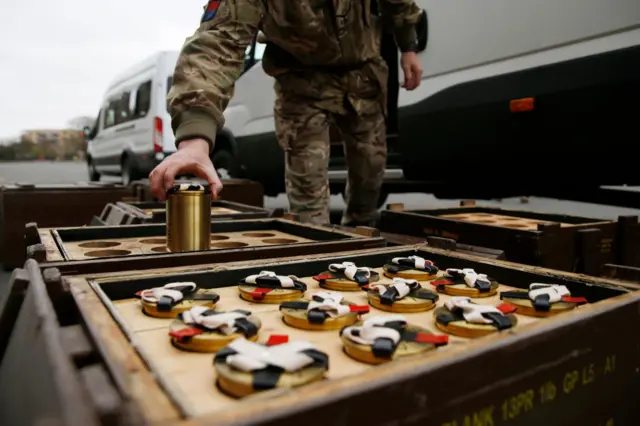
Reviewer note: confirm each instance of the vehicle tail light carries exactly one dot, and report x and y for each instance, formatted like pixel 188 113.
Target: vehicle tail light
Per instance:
pixel 157 135
pixel 522 105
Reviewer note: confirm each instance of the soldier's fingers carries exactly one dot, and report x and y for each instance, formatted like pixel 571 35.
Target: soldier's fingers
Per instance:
pixel 169 176
pixel 212 178
pixel 413 82
pixel 155 181
pixel 407 77
pixel 417 77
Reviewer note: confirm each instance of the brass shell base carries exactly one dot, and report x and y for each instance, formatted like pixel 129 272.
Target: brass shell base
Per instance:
pixel 239 384
pixel 363 353
pixel 525 307
pixel 407 305
pixel 465 329
pixel 275 296
pixel 151 309
pixel 298 318
pixel 209 342
pixel 466 291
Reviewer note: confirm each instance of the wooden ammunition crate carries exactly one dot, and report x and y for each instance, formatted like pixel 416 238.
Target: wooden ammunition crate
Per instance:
pixel 99 360
pixel 122 248
pixel 50 205
pixel 553 241
pixel 242 191
pixel 156 211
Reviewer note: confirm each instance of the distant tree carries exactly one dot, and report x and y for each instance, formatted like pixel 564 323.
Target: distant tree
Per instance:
pixel 80 123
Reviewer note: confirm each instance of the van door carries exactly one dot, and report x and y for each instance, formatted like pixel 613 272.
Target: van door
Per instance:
pixel 103 153
pixel 139 139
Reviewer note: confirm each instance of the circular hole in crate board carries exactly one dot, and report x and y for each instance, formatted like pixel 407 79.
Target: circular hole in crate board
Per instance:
pixel 100 244
pixel 154 241
pixel 230 245
pixel 161 249
pixel 258 234
pixel 219 237
pixel 279 241
pixel 107 253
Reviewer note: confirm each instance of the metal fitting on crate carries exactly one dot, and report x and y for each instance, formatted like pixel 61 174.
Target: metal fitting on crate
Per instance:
pixel 188 218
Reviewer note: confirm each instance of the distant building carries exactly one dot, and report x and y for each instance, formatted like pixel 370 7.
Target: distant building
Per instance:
pixel 58 142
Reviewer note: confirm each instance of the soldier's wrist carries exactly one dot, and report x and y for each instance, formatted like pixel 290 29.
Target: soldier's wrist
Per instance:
pixel 196 125
pixel 198 145
pixel 407 38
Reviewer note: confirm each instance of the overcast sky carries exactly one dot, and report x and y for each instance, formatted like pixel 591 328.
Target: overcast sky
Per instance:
pixel 57 57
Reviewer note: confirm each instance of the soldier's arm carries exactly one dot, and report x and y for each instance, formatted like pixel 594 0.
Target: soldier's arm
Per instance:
pixel 210 62
pixel 401 17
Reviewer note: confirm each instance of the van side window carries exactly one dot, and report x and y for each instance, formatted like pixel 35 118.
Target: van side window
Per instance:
pixel 110 113
pixel 133 98
pixel 143 100
pixel 122 113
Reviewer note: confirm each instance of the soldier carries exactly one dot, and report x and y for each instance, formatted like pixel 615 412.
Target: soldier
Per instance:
pixel 325 58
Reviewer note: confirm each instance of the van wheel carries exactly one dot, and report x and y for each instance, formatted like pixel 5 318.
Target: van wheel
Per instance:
pixel 382 198
pixel 94 176
pixel 223 162
pixel 129 172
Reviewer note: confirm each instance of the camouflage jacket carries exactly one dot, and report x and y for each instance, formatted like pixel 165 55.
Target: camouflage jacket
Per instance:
pixel 307 34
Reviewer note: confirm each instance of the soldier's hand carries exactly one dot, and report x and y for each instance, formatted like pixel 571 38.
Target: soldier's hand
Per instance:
pixel 192 158
pixel 412 70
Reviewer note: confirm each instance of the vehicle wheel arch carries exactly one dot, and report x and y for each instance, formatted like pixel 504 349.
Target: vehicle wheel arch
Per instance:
pixel 225 141
pixel 225 147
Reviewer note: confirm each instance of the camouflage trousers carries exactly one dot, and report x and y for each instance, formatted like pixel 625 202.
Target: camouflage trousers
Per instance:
pixel 308 109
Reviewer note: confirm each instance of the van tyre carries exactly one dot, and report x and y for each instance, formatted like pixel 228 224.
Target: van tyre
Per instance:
pixel 94 176
pixel 223 162
pixel 130 172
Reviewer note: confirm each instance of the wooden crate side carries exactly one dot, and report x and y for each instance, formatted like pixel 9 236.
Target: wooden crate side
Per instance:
pixel 627 245
pixel 209 257
pixel 518 246
pixel 488 379
pixel 62 205
pixel 581 248
pixel 38 379
pixel 551 217
pixel 244 211
pixel 54 254
pixel 10 305
pixel 237 190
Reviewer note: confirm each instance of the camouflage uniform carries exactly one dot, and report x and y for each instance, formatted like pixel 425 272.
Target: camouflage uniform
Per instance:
pixel 325 58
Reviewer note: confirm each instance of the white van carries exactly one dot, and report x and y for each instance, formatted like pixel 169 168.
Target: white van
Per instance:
pixel 133 131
